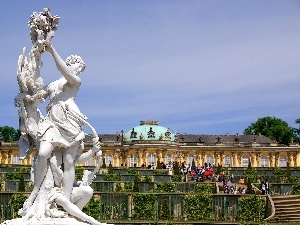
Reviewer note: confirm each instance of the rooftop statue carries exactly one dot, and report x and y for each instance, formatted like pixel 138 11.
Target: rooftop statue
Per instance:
pixel 58 135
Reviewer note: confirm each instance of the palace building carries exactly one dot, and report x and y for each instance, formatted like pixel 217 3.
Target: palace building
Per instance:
pixel 149 142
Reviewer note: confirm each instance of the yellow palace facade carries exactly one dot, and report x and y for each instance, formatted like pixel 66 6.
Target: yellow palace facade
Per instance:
pixel 149 142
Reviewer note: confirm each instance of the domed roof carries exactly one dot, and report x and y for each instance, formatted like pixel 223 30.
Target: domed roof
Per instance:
pixel 149 130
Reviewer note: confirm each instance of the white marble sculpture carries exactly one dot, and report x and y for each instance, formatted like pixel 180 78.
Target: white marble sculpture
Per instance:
pixel 58 136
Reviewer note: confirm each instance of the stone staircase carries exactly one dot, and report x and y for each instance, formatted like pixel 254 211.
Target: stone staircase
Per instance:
pixel 287 208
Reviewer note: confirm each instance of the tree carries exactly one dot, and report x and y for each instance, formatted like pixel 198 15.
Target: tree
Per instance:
pixel 103 163
pixel 273 128
pixel 288 172
pixel 9 134
pixel 158 164
pixel 193 163
pixel 176 169
pixel 110 168
pixel 251 173
pixel 136 184
pixel 297 130
pixel 21 187
pixel 219 169
pixel 165 211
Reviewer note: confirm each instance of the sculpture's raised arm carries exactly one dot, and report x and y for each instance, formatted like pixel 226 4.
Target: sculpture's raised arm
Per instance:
pixel 68 69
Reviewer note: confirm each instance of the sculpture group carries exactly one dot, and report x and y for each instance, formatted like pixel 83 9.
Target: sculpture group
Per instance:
pixel 58 136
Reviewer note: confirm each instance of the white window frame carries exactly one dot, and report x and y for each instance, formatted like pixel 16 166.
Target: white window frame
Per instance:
pixel 245 161
pixel 16 159
pixel 108 159
pixel 132 160
pixel 227 161
pixel 264 161
pixel 282 161
pixel 190 160
pixel 210 160
pixel 151 159
pixel 168 158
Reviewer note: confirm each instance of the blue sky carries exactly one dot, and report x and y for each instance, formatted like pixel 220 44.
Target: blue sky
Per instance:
pixel 198 67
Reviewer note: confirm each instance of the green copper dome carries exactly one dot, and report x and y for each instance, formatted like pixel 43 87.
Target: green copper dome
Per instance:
pixel 151 131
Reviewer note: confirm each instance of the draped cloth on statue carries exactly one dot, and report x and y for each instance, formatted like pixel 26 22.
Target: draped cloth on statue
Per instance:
pixel 61 126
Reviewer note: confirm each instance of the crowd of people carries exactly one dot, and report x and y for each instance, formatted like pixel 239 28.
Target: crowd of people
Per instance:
pixel 207 172
pixel 230 187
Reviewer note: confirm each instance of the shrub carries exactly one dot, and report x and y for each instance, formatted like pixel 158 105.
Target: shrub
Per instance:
pixel 252 208
pixel 78 172
pixel 110 168
pixel 144 206
pixel 17 200
pixel 193 163
pixel 103 163
pixel 251 173
pixel 296 189
pixel 205 188
pixel 249 186
pixel 278 171
pixel 111 177
pixel 158 165
pixel 128 186
pixel 165 187
pixel 164 212
pixel 291 180
pixel 118 187
pixel 198 206
pixel 21 187
pixel 132 171
pixel 93 208
pixel 159 172
pixel 176 169
pixel 288 170
pixel 147 178
pixel 176 178
pixel 136 184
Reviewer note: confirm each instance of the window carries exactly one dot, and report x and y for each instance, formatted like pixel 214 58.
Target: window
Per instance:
pixel 245 161
pixel 282 161
pixel 264 162
pixel 190 159
pixel 227 161
pixel 210 159
pixel 16 159
pixel 132 160
pixel 169 161
pixel 151 159
pixel 168 158
pixel 108 159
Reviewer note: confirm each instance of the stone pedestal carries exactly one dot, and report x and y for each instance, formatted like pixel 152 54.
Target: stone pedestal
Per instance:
pixel 45 221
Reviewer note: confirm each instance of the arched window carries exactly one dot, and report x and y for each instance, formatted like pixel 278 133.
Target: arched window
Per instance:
pixel 282 161
pixel 227 161
pixel 210 159
pixel 132 160
pixel 264 162
pixel 168 158
pixel 108 159
pixel 16 159
pixel 169 163
pixel 245 161
pixel 151 159
pixel 190 159
pixel 90 162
